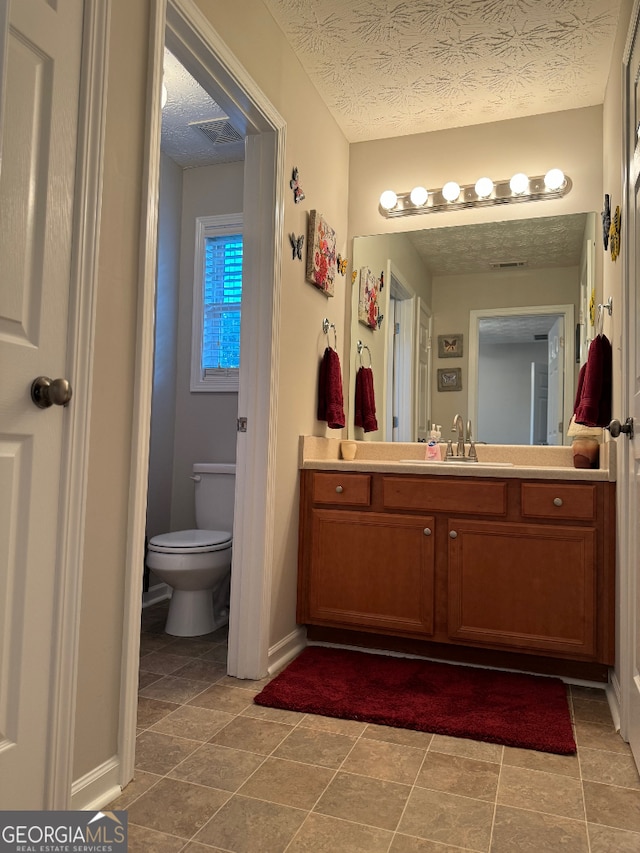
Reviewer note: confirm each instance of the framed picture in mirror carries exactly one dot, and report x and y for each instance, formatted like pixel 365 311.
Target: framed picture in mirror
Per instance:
pixel 450 346
pixel 450 379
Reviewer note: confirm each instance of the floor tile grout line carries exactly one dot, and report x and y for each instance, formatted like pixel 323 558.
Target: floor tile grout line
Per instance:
pixel 395 832
pixel 581 777
pixel 495 801
pixel 335 773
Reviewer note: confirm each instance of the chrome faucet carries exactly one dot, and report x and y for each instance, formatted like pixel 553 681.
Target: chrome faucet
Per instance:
pixel 458 426
pixel 472 445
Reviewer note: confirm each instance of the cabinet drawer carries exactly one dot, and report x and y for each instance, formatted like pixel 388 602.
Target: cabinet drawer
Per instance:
pixel 431 495
pixel 571 501
pixel 347 489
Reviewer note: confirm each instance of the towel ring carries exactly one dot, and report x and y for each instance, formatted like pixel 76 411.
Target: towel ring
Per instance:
pixel 607 306
pixel 326 325
pixel 360 346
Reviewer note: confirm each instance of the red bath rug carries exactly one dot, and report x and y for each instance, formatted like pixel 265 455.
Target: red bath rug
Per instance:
pixel 498 707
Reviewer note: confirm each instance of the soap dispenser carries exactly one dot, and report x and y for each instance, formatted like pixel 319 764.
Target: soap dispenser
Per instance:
pixel 433 448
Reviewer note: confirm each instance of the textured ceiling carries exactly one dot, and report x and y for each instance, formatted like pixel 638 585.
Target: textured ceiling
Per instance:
pixel 188 104
pixel 394 67
pixel 548 241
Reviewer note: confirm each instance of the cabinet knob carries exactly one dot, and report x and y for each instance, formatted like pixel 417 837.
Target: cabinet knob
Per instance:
pixel 427 531
pixel 557 501
pixel 339 490
pixel 453 534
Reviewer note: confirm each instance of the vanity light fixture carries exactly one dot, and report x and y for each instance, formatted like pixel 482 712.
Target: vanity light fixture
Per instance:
pixel 388 200
pixel 484 187
pixel 418 196
pixel 451 191
pixel 519 183
pixel 453 196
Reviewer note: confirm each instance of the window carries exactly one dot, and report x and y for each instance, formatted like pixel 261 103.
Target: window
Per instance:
pixel 217 299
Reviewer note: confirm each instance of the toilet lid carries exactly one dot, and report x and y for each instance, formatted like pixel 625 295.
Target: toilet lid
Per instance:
pixel 195 541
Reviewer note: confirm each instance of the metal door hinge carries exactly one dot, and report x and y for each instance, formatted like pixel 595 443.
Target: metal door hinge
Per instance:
pixel 394 422
pixel 396 329
pixel 241 425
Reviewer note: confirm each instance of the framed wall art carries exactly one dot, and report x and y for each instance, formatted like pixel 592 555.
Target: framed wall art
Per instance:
pixel 368 308
pixel 321 253
pixel 450 346
pixel 450 379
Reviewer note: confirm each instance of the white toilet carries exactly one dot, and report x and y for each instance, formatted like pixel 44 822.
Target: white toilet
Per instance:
pixel 197 563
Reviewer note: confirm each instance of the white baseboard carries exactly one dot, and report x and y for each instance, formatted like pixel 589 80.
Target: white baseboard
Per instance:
pixel 613 697
pixel 156 593
pixel 98 787
pixel 286 649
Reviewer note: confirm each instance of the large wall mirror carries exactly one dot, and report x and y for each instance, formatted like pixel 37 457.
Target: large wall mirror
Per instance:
pixel 488 320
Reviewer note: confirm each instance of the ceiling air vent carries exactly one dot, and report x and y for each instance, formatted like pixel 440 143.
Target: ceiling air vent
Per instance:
pixel 507 265
pixel 218 131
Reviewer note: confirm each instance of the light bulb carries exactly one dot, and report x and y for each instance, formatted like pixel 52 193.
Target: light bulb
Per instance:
pixel 519 183
pixel 554 179
pixel 484 187
pixel 418 196
pixel 451 191
pixel 388 200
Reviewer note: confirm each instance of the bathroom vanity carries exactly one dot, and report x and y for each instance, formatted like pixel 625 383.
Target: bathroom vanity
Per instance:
pixel 500 563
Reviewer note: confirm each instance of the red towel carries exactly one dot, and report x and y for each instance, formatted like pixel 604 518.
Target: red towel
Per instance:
pixel 593 398
pixel 365 405
pixel 330 401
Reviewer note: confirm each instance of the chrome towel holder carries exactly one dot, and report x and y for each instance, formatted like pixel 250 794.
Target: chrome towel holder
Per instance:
pixel 360 346
pixel 326 325
pixel 602 307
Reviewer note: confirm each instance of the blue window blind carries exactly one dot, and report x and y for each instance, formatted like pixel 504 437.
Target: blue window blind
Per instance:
pixel 222 300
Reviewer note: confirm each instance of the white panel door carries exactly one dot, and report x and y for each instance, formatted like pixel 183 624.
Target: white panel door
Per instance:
pixel 629 451
pixel 39 77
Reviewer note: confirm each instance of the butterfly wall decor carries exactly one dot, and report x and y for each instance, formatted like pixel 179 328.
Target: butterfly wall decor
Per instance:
pixel 450 346
pixel 294 183
pixel 342 264
pixel 296 244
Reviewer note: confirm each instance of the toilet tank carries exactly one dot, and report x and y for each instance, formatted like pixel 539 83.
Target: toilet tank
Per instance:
pixel 215 487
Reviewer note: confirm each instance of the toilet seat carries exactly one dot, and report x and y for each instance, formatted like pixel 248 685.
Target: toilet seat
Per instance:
pixel 190 542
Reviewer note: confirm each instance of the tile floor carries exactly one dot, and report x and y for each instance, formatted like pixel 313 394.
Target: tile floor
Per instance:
pixel 216 772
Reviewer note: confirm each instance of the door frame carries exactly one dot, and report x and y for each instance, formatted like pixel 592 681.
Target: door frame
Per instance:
pixel 400 357
pixel 191 37
pixel 569 351
pixel 83 289
pixel 628 571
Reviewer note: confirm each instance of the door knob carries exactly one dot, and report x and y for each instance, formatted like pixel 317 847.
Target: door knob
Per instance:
pixel 615 428
pixel 47 392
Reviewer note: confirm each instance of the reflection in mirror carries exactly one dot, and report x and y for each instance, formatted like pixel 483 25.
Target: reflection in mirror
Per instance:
pixel 441 284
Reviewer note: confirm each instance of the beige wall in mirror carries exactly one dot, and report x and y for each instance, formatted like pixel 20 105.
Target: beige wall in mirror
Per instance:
pixel 451 267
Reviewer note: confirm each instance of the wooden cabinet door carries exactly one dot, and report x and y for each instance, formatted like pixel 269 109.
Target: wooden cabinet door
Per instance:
pixel 525 586
pixel 370 570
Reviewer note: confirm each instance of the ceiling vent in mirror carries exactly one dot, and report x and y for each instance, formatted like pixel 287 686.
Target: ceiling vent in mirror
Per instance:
pixel 218 131
pixel 507 265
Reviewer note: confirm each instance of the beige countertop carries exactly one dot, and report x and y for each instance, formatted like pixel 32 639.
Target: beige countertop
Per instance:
pixel 494 460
